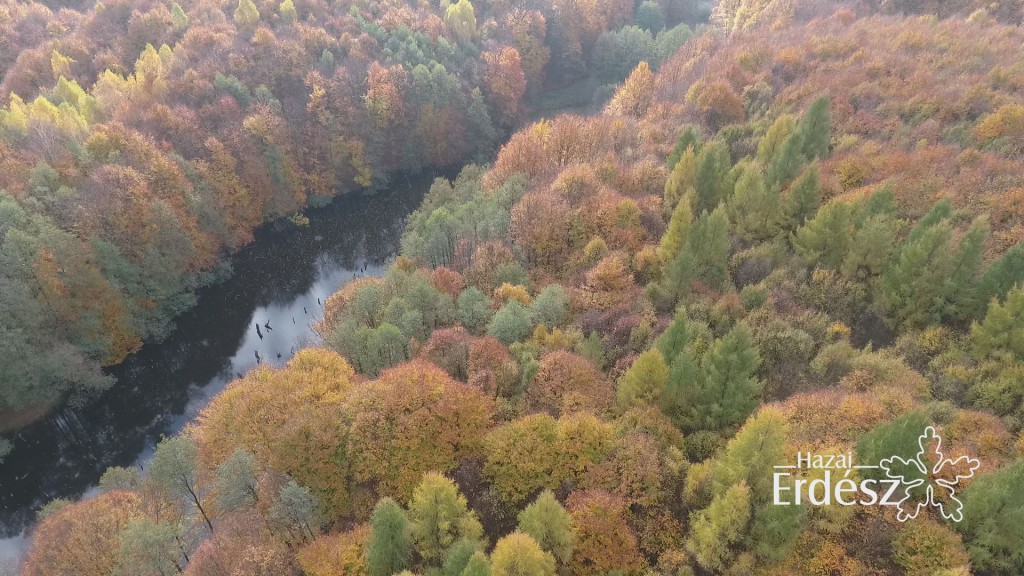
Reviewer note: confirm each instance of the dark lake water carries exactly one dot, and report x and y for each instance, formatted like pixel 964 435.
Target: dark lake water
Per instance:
pixel 281 278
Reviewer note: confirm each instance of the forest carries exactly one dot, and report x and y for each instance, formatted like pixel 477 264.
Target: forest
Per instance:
pixel 796 228
pixel 140 142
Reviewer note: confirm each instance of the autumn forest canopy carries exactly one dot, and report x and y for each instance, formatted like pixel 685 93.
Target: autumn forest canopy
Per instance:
pixel 779 226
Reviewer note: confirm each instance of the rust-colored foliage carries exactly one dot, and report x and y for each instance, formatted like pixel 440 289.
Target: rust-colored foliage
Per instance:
pixel 567 382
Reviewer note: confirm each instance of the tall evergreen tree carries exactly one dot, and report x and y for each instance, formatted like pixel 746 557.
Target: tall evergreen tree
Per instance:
pixel 871 248
pixel 710 177
pixel 439 517
pixel 645 380
pixel 913 287
pixel 547 522
pixel 960 294
pixel 997 280
pixel 815 127
pixel 678 229
pixel 1001 333
pixel 803 198
pixel 389 549
pixel 716 530
pixel 681 180
pixel 754 211
pixel 825 239
pixel 687 140
pixel 728 390
pixel 787 163
pixel 478 565
pixel 771 142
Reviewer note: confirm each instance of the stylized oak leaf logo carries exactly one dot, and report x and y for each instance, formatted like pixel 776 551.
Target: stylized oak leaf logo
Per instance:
pixel 944 475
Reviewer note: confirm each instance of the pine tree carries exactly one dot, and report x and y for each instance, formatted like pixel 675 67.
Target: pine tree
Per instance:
pixel 710 177
pixel 709 244
pixel 439 516
pixel 999 278
pixel 519 555
pixel 477 566
pixel 773 139
pixel 815 127
pixel 645 380
pixel 389 549
pixel 287 12
pixel 178 17
pixel 960 297
pixel 675 338
pixel 678 230
pixel 787 163
pixel 459 555
pixel 825 239
pixel 871 248
pixel 547 522
pixel 940 212
pixel 993 521
pixel 246 15
pixel 754 211
pixel 687 140
pixel 912 288
pixel 728 388
pixel 717 529
pixel 681 180
pixel 1002 330
pixel 684 382
pixel 803 198
pixel 750 455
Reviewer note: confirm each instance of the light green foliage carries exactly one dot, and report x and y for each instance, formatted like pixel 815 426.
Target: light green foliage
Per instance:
pixel 295 513
pixel 120 478
pixel 687 140
pixel 459 555
pixel 246 14
pixel 754 210
pixel 478 565
pixel 235 481
pixel 997 280
pixel 473 309
pixel 912 288
pixel 287 12
pixel 549 525
pixel 710 179
pixel 715 530
pixel 147 548
pixel 174 468
pixel 650 16
pixel 390 547
pixel 993 522
pixel 551 306
pixel 439 517
pixel 771 143
pixel 644 382
pixel 519 555
pixel 510 323
pixel 675 237
pixel 815 127
pixel 178 17
pixel 461 18
pixel 1001 333
pixel 803 197
pixel 825 239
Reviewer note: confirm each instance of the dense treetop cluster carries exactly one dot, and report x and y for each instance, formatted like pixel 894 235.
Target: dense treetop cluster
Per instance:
pixel 591 353
pixel 141 141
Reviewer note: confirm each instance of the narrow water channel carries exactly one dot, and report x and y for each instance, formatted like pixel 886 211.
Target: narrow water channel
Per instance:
pixel 280 281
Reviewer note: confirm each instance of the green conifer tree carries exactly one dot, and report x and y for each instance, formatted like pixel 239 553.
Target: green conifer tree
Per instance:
pixel 389 549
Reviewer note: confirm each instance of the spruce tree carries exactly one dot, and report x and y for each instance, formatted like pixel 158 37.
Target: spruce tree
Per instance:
pixel 960 297
pixel 645 380
pixel 1001 333
pixel 787 163
pixel 389 549
pixel 680 181
pixel 771 142
pixel 678 229
pixel 550 525
pixel 803 198
pixel 913 287
pixel 825 239
pixel 754 211
pixel 687 140
pixel 871 248
pixel 997 280
pixel 710 178
pixel 709 244
pixel 815 128
pixel 675 338
pixel 728 390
